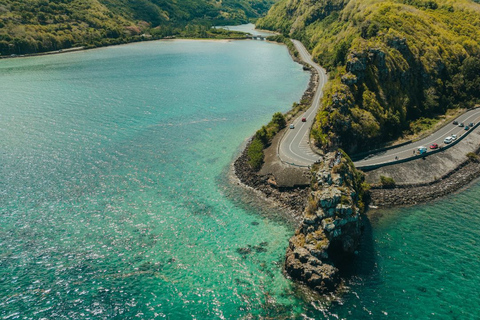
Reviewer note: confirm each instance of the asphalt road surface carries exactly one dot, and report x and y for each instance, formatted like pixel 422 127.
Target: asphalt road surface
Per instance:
pixel 295 148
pixel 410 149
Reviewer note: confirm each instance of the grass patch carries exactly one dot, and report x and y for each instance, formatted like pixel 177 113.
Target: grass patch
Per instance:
pixel 473 157
pixel 262 139
pixel 387 182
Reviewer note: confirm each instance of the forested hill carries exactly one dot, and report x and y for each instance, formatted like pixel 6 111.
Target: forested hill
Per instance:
pixel 395 65
pixel 28 26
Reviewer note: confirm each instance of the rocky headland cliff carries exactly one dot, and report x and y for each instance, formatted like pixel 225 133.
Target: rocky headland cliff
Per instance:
pixel 331 227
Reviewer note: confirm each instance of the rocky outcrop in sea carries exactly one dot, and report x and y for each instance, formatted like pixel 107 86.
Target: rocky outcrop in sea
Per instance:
pixel 331 227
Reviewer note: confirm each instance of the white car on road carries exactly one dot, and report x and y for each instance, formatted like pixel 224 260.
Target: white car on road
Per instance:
pixel 448 140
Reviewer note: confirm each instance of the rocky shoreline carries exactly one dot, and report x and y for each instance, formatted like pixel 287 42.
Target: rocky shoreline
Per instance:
pixel 294 199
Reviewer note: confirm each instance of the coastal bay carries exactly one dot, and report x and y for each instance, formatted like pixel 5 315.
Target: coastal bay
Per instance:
pixel 114 200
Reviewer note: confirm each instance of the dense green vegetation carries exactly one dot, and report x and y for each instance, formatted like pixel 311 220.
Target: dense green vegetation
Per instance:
pixel 395 65
pixel 30 26
pixel 262 139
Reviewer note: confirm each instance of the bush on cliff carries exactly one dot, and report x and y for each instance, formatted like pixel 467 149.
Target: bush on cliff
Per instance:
pixel 391 63
pixel 357 182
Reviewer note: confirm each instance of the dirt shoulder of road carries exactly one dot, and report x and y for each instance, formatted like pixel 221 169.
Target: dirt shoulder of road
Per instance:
pixel 429 178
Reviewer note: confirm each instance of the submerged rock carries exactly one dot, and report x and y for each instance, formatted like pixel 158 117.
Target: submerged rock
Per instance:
pixel 331 228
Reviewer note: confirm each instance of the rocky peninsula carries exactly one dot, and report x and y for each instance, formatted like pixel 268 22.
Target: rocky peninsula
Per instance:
pixel 331 227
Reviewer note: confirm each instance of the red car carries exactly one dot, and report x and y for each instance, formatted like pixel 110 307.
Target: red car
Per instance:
pixel 304 119
pixel 434 146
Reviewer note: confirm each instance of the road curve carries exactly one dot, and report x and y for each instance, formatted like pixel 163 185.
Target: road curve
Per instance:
pixel 409 150
pixel 294 147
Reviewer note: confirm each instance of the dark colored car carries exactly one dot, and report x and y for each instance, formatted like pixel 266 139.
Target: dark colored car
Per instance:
pixel 461 124
pixel 304 119
pixel 434 146
pixel 455 122
pixel 466 128
pixel 471 124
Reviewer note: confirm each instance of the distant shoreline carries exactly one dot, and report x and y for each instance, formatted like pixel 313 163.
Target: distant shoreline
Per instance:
pixel 28 55
pixel 77 49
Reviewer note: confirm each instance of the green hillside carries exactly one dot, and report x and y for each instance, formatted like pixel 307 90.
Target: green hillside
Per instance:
pixel 394 65
pixel 29 26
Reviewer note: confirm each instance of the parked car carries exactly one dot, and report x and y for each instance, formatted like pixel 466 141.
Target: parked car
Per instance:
pixel 422 150
pixel 455 122
pixel 304 119
pixel 467 127
pixel 434 146
pixel 461 124
pixel 292 126
pixel 448 140
pixel 454 136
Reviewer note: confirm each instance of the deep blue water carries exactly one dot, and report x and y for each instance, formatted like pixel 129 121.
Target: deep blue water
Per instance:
pixel 115 200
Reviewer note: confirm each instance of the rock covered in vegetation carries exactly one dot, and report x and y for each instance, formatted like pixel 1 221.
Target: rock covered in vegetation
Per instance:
pixel 392 63
pixel 331 227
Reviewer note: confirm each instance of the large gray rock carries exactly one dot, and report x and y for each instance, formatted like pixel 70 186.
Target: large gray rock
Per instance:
pixel 331 226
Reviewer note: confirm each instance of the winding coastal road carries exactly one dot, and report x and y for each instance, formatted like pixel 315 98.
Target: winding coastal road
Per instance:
pixel 294 148
pixel 437 137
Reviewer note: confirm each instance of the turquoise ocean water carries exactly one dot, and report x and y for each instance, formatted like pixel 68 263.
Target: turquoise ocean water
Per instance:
pixel 115 201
